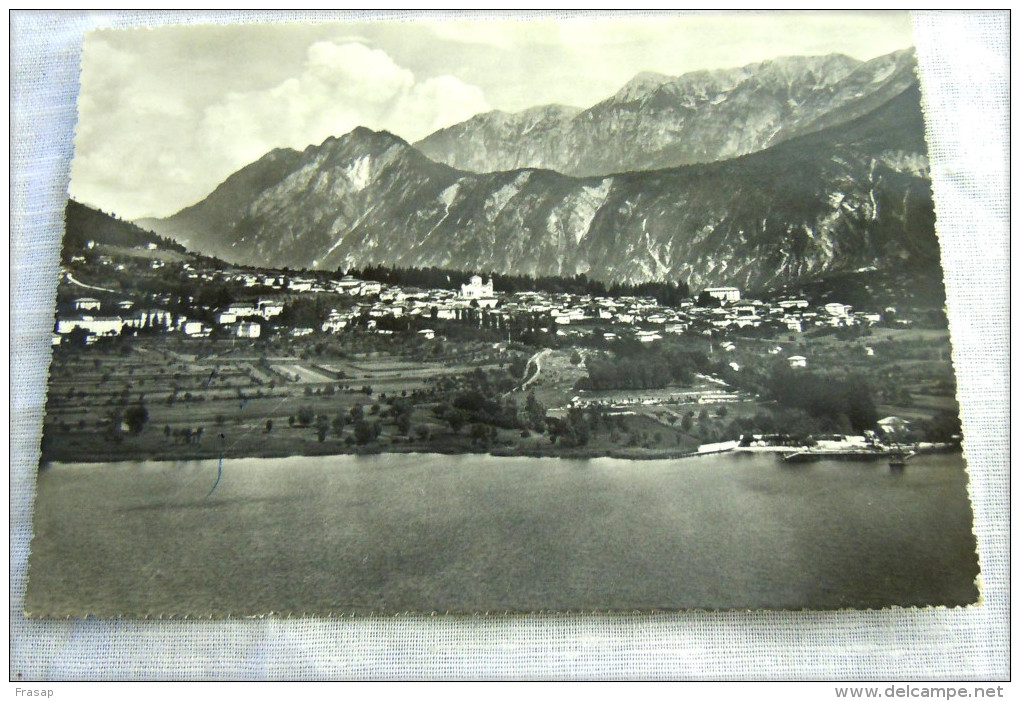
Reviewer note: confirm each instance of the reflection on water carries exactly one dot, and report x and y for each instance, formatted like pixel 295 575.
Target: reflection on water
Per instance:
pixel 394 533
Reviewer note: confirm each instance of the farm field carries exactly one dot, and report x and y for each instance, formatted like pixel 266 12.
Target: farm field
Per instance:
pixel 221 402
pixel 231 399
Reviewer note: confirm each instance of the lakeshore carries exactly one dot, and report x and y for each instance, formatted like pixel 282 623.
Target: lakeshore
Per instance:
pixel 232 443
pixel 212 451
pixel 318 450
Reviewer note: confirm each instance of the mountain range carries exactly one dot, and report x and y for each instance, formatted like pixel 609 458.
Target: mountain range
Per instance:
pixel 756 176
pixel 659 121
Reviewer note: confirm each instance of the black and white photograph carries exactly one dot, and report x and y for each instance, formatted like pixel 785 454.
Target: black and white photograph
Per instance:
pixel 501 315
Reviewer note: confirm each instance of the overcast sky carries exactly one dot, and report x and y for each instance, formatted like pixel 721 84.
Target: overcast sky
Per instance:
pixel 166 114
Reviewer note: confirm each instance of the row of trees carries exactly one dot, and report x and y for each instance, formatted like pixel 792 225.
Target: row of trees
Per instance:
pixel 837 402
pixel 399 411
pixel 633 365
pixel 464 408
pixel 840 400
pixel 134 418
pixel 472 406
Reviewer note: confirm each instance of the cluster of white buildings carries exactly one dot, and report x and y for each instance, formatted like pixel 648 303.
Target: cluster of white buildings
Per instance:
pixel 476 300
pixel 96 325
pixel 580 315
pixel 566 314
pixel 265 309
pixel 285 283
pixel 88 318
pixel 795 314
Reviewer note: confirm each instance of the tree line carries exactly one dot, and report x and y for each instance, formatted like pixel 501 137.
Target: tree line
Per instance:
pixel 634 365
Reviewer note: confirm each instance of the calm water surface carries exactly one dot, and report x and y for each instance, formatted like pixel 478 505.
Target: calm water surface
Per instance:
pixel 394 533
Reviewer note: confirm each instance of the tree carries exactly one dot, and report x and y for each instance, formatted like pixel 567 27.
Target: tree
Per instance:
pixel 357 412
pixel 480 434
pixel 707 300
pixel 555 428
pixel 577 430
pixel 944 427
pixel 78 337
pixel 456 418
pixel 322 427
pixel 338 425
pixel 534 412
pixel 365 432
pixel 305 415
pixel 518 366
pixel 136 417
pixel 403 423
pixel 860 406
pixel 269 425
pixel 304 311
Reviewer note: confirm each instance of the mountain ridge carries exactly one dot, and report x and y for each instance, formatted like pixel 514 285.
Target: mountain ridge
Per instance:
pixel 659 121
pixel 843 197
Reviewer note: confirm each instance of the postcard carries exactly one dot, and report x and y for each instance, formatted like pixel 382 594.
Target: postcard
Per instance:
pixel 611 314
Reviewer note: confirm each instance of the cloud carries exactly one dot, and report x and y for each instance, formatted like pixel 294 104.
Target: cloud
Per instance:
pixel 340 87
pixel 147 149
pixel 437 102
pixel 127 132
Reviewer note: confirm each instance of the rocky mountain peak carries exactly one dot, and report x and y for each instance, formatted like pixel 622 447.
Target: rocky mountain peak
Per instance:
pixel 660 121
pixel 361 140
pixel 552 112
pixel 640 85
pixel 812 70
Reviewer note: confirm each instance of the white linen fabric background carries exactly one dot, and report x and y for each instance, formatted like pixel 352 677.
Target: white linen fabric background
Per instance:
pixel 964 66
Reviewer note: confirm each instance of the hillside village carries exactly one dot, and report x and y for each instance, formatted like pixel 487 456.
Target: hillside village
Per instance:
pixel 571 316
pixel 305 362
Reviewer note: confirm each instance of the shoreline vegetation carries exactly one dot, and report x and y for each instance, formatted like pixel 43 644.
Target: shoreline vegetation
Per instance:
pixel 56 455
pixel 319 450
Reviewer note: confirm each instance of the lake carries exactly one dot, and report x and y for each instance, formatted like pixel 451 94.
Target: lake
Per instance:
pixel 468 533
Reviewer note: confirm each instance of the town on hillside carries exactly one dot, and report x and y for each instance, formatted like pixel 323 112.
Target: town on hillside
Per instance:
pixel 158 353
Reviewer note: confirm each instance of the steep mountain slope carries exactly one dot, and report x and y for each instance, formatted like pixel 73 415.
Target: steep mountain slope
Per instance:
pixel 83 224
pixel 500 141
pixel 841 198
pixel 221 211
pixel 658 121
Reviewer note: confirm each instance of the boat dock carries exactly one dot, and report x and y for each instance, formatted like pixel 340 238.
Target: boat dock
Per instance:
pixel 813 454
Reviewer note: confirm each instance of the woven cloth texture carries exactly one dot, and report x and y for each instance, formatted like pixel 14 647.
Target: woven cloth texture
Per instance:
pixel 963 61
